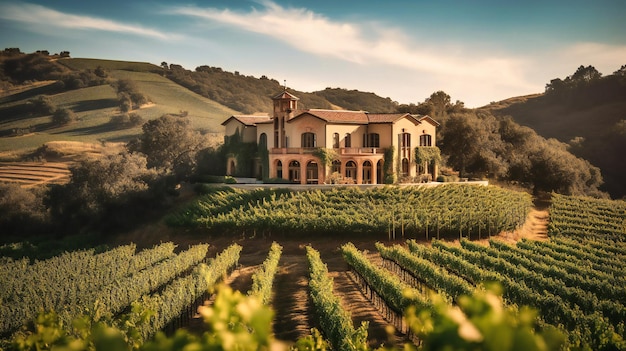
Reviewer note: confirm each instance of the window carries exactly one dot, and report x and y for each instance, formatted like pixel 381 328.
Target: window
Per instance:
pixel 371 140
pixel 425 140
pixel 336 167
pixel 336 140
pixel 276 139
pixel 263 141
pixel 405 140
pixel 279 169
pixel 405 167
pixel 294 171
pixel 351 170
pixel 311 172
pixel 348 140
pixel 308 140
pixel 367 172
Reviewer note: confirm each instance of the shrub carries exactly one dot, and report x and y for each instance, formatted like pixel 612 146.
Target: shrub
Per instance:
pixel 63 117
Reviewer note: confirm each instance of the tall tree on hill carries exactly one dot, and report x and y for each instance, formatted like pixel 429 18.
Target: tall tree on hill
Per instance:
pixel 171 145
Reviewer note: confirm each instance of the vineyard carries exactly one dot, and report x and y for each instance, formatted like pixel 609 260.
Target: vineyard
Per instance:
pixel 575 281
pixel 452 211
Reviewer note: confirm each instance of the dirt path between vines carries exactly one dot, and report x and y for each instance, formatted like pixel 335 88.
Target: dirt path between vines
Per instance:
pixel 294 313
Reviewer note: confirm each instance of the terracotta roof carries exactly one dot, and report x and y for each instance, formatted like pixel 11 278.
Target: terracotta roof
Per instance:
pixel 430 120
pixel 249 120
pixel 385 117
pixel 285 95
pixel 335 116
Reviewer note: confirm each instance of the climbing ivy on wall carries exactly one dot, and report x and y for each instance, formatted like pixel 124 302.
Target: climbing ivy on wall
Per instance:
pixel 427 154
pixel 243 152
pixel 389 175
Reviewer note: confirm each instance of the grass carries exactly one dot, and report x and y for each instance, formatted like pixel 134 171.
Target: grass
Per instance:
pixel 110 65
pixel 94 107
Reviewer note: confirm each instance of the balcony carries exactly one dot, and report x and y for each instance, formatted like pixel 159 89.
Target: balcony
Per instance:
pixel 340 151
pixel 360 151
pixel 293 150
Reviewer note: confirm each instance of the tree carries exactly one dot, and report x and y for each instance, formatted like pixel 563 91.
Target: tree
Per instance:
pixel 585 74
pixel 107 188
pixel 63 117
pixel 441 103
pixel 22 209
pixel 128 94
pixel 42 105
pixel 170 144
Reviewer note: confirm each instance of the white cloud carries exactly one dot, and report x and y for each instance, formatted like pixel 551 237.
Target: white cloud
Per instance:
pixel 40 15
pixel 364 43
pixel 604 57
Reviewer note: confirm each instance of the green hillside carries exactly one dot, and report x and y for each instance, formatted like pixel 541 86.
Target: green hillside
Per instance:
pixel 586 111
pixel 22 130
pixel 249 94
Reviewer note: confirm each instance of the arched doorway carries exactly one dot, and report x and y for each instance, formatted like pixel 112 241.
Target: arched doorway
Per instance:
pixel 336 167
pixel 312 173
pixel 367 172
pixel 351 170
pixel 380 177
pixel 294 171
pixel 405 167
pixel 279 169
pixel 231 167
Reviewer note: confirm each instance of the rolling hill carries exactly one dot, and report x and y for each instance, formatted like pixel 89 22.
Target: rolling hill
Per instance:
pixel 21 130
pixel 588 115
pixel 207 96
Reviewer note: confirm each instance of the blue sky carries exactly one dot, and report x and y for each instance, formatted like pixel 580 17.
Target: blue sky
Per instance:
pixel 476 51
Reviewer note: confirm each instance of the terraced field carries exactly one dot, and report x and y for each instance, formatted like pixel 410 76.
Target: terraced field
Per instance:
pixel 29 174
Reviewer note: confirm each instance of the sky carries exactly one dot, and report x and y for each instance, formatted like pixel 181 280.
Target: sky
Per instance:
pixel 476 51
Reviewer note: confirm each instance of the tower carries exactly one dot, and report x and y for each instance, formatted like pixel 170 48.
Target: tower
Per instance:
pixel 285 104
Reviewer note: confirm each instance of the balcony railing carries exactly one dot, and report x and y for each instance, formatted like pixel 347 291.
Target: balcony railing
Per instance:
pixel 341 151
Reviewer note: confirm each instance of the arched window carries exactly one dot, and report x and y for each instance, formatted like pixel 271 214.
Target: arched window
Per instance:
pixel 405 140
pixel 348 140
pixel 308 140
pixel 425 140
pixel 263 141
pixel 294 171
pixel 379 172
pixel 367 172
pixel 351 170
pixel 279 169
pixel 336 140
pixel 336 167
pixel 311 172
pixel 405 167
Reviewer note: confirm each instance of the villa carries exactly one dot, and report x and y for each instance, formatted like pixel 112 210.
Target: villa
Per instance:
pixel 314 146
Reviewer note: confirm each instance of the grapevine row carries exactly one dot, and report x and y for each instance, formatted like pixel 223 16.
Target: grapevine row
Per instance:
pixel 584 271
pixel 459 210
pixel 72 282
pixel 426 271
pixel 591 330
pixel 603 289
pixel 183 292
pixel 564 254
pixel 381 285
pixel 334 320
pixel 263 278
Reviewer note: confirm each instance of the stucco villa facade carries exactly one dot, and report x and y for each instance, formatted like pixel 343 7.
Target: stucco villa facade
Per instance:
pixel 315 146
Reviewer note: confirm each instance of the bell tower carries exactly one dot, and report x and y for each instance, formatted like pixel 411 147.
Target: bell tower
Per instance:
pixel 285 104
